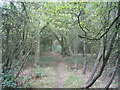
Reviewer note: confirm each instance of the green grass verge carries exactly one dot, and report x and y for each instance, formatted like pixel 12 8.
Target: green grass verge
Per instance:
pixel 73 81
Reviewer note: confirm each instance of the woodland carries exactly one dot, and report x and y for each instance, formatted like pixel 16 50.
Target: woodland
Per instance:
pixel 60 44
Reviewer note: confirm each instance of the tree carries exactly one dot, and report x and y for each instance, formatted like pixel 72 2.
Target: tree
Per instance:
pixel 105 54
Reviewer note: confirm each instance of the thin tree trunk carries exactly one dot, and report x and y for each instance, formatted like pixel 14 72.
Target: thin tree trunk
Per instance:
pixel 113 74
pixel 105 59
pixel 89 84
pixel 6 60
pixel 96 64
pixel 71 52
pixel 62 45
pixel 85 58
pixel 37 51
pixel 51 43
pixel 91 53
pixel 117 62
pixel 24 59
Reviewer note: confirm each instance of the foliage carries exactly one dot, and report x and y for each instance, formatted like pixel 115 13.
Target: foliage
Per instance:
pixel 8 81
pixel 72 28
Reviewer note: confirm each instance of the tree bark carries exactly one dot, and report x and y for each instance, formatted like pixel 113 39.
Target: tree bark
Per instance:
pixel 105 59
pixel 37 51
pixel 62 46
pixel 85 58
pixel 51 45
pixel 96 64
pixel 113 74
pixel 71 52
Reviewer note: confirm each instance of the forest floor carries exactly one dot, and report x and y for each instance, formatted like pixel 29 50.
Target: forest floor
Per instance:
pixel 55 72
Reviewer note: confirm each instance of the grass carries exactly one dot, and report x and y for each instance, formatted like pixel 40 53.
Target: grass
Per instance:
pixel 73 60
pixel 45 82
pixel 71 79
pixel 44 60
pixel 47 61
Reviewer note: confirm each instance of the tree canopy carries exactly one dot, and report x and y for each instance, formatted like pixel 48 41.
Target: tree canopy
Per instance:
pixel 66 28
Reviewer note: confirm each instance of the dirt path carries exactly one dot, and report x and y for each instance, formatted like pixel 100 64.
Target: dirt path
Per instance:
pixel 58 70
pixel 59 75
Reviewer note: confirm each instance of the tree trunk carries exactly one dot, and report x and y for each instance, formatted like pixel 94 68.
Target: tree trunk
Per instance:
pixel 6 60
pixel 113 74
pixel 62 45
pixel 71 52
pixel 96 64
pixel 51 43
pixel 37 51
pixel 105 59
pixel 90 83
pixel 85 58
pixel 117 62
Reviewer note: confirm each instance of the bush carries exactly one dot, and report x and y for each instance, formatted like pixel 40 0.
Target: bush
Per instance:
pixel 7 81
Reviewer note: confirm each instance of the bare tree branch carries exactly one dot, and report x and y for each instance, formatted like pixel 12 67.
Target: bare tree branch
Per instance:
pixel 46 25
pixel 78 17
pixel 107 30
